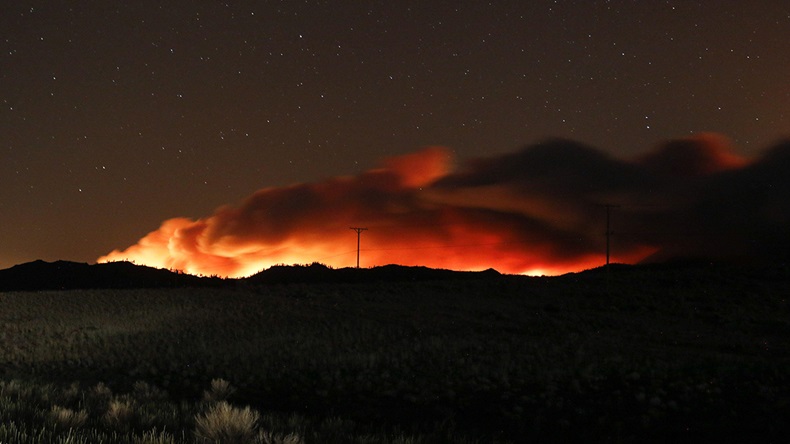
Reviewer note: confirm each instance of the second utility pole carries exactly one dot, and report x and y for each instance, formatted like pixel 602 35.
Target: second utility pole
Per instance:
pixel 359 234
pixel 609 231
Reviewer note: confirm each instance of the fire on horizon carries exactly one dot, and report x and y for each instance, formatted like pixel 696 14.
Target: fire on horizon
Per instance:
pixel 536 211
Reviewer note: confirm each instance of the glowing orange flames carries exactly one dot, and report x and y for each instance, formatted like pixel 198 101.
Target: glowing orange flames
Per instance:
pixel 535 212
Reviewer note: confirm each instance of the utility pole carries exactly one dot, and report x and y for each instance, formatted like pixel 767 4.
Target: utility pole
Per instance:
pixel 609 231
pixel 359 234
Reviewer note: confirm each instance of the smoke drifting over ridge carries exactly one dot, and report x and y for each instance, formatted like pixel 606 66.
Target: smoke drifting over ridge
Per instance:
pixel 538 210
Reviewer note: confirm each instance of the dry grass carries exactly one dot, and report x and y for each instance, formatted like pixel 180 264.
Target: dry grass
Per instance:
pixel 220 390
pixel 225 424
pixel 64 418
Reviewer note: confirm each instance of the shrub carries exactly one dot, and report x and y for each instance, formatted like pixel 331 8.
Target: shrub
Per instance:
pixel 225 424
pixel 144 392
pixel 14 389
pixel 154 437
pixel 98 398
pixel 72 393
pixel 119 414
pixel 65 419
pixel 270 438
pixel 220 391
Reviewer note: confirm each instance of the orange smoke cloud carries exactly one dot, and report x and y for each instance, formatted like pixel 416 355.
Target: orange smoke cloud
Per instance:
pixel 534 211
pixel 309 222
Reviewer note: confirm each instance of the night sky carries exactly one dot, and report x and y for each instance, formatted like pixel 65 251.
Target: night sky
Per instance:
pixel 118 116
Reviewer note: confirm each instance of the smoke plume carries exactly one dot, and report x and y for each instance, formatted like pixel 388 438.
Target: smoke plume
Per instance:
pixel 538 210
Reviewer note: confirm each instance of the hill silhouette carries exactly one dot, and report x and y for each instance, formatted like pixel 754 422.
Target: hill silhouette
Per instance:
pixel 66 275
pixel 319 273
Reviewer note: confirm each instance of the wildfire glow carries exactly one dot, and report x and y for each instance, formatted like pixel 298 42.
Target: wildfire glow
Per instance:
pixel 534 212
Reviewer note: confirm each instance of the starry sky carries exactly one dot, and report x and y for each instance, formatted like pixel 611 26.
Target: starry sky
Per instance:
pixel 117 116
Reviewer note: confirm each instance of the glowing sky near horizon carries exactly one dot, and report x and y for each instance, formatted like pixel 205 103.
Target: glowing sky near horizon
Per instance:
pixel 118 116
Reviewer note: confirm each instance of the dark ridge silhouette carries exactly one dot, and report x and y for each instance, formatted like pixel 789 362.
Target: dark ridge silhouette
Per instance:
pixel 319 273
pixel 65 275
pixel 690 271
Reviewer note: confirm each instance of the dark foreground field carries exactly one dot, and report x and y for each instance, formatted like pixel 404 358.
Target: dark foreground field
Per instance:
pixel 651 354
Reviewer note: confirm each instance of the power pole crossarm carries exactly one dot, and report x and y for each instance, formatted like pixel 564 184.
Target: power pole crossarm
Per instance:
pixel 359 231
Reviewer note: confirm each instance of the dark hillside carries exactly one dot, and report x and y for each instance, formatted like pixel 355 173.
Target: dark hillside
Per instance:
pixel 318 273
pixel 65 275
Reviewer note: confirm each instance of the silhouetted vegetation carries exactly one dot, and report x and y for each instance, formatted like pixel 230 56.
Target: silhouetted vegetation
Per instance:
pixel 64 275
